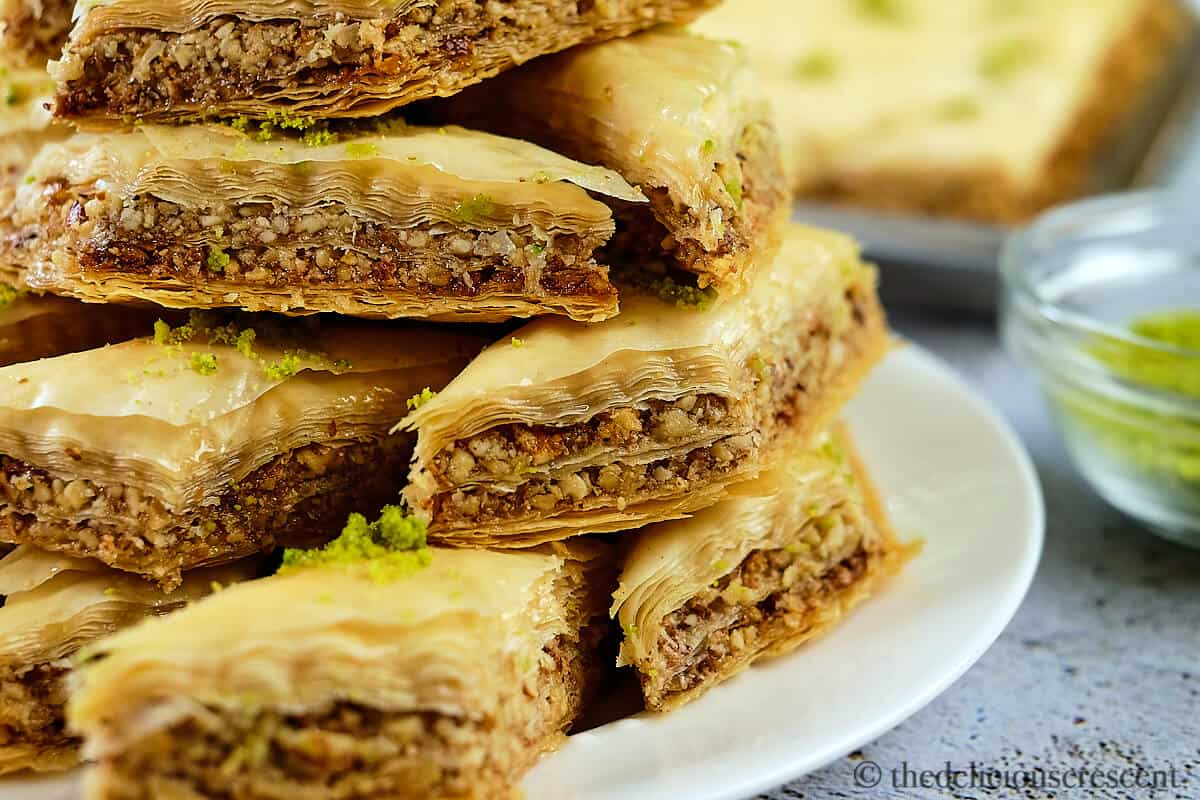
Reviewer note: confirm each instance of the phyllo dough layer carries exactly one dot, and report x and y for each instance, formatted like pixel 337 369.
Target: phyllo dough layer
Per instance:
pixel 446 682
pixel 383 220
pixel 53 606
pixel 775 565
pixel 570 428
pixel 210 442
pixel 681 117
pixel 183 59
pixel 33 326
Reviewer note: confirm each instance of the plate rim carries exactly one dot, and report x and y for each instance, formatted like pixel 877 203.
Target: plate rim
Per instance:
pixel 1031 558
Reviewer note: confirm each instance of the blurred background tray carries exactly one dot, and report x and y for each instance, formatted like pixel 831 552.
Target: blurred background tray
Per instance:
pixel 951 266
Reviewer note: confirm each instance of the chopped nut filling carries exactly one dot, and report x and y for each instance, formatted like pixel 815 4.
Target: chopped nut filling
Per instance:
pixel 353 752
pixel 301 497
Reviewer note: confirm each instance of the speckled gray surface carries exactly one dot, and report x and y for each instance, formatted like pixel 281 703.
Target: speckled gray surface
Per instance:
pixel 1100 669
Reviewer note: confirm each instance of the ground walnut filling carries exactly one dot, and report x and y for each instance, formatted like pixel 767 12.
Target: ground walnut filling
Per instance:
pixel 354 752
pixel 425 51
pixel 616 484
pixel 715 628
pixel 306 492
pixel 258 245
pixel 784 391
pixel 512 451
pixel 31 705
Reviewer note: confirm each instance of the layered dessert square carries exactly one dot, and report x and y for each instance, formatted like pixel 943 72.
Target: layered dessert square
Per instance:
pixel 775 565
pixel 53 606
pixel 430 673
pixel 682 118
pixel 212 440
pixel 380 220
pixel 183 59
pixel 33 32
pixel 565 428
pixel 984 110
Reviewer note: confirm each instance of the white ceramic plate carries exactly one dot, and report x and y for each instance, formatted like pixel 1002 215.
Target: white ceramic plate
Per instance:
pixel 953 474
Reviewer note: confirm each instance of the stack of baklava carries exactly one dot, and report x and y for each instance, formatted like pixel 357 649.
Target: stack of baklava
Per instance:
pixel 308 232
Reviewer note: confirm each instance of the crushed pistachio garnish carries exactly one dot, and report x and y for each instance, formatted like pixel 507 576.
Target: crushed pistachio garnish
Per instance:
pixel 9 295
pixel 319 137
pixel 217 259
pixel 203 363
pixel 881 10
pixel 215 586
pixel 683 296
pixel 361 149
pixel 758 365
pixel 286 121
pixel 1161 444
pixel 285 367
pixel 516 342
pixel 1003 60
pixel 630 630
pixel 816 65
pixel 475 210
pixel 736 593
pixel 172 338
pixel 958 109
pixel 245 343
pixel 709 147
pixel 392 547
pixel 420 398
pixel 734 187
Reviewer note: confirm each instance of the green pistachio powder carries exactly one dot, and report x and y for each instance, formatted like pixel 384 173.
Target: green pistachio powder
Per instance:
pixel 392 547
pixel 242 339
pixel 1164 445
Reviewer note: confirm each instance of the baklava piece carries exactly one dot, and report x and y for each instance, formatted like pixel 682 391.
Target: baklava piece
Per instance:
pixel 980 109
pixel 33 32
pixel 210 441
pixel 681 117
pixel 777 564
pixel 568 428
pixel 417 674
pixel 53 606
pixel 183 59
pixel 390 221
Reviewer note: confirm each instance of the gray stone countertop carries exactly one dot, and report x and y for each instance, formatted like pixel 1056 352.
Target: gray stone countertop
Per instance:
pixel 1100 668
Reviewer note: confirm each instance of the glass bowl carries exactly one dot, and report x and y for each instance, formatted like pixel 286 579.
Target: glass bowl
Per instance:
pixel 1102 300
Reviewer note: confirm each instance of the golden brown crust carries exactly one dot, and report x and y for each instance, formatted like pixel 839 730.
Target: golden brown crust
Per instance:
pixel 298 499
pixel 992 195
pixel 792 616
pixel 656 229
pixel 805 396
pixel 321 66
pixel 352 752
pixel 363 268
